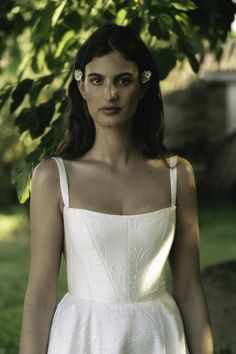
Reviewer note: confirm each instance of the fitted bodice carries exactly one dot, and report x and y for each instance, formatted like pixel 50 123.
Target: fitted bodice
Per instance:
pixel 117 258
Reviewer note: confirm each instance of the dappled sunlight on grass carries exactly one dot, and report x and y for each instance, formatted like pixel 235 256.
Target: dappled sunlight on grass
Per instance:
pixel 10 225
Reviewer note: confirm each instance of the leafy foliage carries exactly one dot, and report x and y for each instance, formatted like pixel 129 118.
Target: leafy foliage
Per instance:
pixel 38 41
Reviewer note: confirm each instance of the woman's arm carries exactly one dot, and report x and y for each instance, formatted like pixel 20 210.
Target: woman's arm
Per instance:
pixel 187 287
pixel 46 226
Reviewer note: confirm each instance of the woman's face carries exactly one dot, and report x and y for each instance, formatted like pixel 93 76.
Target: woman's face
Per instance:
pixel 111 89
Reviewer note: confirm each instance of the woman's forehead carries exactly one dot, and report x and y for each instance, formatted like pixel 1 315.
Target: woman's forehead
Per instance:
pixel 111 64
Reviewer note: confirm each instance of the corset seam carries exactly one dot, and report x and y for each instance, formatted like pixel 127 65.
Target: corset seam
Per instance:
pixel 101 259
pixel 162 329
pixel 81 260
pixel 127 260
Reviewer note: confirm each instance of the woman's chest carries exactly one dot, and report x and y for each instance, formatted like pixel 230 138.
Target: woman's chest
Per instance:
pixel 128 191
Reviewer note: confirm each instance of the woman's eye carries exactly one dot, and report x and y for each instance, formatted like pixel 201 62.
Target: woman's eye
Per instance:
pixel 124 81
pixel 96 81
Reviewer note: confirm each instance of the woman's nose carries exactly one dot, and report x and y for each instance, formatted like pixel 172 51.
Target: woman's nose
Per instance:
pixel 110 92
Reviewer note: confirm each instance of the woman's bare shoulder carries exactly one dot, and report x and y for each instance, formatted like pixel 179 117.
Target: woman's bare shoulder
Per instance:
pixel 185 169
pixel 186 183
pixel 183 165
pixel 45 188
pixel 45 180
pixel 46 171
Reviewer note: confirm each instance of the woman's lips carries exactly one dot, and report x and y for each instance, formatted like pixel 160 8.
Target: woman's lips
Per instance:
pixel 111 110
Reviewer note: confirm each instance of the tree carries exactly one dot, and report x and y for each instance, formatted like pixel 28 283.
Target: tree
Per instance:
pixel 38 41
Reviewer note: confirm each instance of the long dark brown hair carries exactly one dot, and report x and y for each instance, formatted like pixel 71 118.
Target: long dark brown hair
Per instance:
pixel 148 125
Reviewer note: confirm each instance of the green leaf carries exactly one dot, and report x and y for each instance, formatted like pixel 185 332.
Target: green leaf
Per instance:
pixel 154 29
pixel 64 41
pixel 158 29
pixel 19 93
pixel 42 28
pixel 27 118
pixel 120 17
pixel 5 94
pixel 158 6
pixel 166 60
pixel 64 102
pixel 19 23
pixel 50 140
pixel 22 88
pixel 40 59
pixel 53 63
pixel 137 23
pixel 194 63
pixel 58 12
pixel 45 113
pixel 187 47
pixel 165 22
pixel 34 156
pixel 184 5
pixel 38 85
pixel 59 95
pixel 107 15
pixel 73 21
pixel 36 119
pixel 184 22
pixel 21 176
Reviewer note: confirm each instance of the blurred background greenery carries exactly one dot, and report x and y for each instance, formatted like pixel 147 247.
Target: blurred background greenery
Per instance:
pixel 194 45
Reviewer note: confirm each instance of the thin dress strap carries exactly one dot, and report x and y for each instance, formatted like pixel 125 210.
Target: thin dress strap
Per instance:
pixel 173 179
pixel 63 180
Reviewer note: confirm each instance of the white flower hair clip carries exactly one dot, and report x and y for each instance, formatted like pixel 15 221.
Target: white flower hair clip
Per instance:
pixel 78 74
pixel 145 76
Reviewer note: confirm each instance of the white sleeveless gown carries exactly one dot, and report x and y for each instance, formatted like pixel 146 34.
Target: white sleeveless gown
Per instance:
pixel 117 302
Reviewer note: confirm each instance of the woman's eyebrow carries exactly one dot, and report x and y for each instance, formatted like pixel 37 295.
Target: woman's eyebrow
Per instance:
pixel 118 75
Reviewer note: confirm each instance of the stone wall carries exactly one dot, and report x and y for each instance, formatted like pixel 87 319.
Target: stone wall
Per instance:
pixel 197 126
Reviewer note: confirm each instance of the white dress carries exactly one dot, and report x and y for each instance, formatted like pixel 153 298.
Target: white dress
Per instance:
pixel 117 301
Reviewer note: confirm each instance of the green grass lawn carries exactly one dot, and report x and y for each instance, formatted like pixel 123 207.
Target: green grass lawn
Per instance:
pixel 217 233
pixel 217 244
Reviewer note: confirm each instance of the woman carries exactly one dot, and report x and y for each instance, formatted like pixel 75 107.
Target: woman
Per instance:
pixel 117 206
